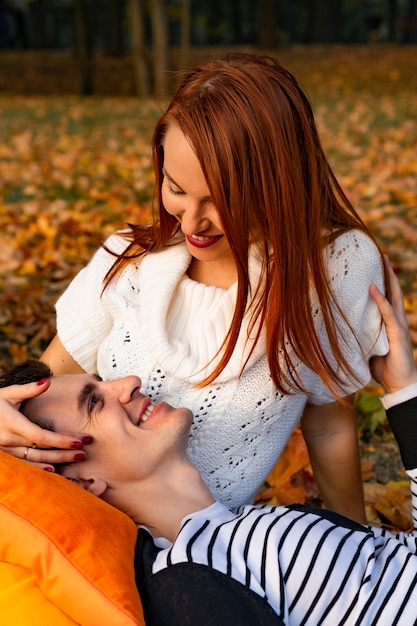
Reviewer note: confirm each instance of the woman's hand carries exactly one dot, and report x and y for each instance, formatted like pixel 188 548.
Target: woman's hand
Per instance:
pixel 397 369
pixel 25 440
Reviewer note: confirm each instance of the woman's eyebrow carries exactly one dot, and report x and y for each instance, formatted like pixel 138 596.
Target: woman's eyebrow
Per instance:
pixel 171 180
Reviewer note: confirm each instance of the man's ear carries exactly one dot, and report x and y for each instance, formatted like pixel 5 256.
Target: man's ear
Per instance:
pixel 96 486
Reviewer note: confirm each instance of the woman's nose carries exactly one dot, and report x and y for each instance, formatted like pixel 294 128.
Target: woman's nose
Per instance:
pixel 193 220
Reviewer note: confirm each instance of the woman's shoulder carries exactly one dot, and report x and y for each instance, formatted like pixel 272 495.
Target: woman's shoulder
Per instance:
pixel 354 262
pixel 353 243
pixel 114 245
pixel 353 251
pixel 102 260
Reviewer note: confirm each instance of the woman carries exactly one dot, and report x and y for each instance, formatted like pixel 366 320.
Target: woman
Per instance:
pixel 247 298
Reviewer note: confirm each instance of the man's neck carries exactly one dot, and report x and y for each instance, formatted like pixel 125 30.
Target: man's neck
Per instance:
pixel 165 500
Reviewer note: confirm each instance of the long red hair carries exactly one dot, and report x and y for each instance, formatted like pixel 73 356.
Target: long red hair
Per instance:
pixel 254 133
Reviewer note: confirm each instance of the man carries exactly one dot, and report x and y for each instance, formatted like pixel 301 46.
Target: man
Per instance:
pixel 310 566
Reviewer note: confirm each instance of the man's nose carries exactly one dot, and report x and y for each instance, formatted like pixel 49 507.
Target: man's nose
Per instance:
pixel 126 388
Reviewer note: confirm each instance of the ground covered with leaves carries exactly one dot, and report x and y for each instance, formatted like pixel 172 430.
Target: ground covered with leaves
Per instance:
pixel 72 170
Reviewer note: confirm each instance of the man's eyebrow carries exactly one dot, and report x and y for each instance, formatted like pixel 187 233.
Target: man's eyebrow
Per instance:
pixel 85 394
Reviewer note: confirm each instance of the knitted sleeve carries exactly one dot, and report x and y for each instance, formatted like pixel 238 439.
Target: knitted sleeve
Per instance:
pixel 83 317
pixel 354 263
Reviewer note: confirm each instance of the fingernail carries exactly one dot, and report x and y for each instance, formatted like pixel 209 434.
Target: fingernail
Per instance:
pixel 42 381
pixel 49 469
pixel 77 445
pixel 80 456
pixel 87 439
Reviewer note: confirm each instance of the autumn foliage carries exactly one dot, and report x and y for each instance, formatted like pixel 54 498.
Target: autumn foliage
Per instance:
pixel 72 170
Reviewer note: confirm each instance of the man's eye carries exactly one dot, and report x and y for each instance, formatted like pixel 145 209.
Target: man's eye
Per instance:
pixel 92 403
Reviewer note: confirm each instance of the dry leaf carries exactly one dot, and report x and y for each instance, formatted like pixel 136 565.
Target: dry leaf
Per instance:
pixel 283 483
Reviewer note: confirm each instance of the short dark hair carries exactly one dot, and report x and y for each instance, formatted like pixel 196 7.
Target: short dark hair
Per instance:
pixel 30 371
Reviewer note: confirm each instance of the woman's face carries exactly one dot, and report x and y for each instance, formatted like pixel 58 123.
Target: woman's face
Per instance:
pixel 186 196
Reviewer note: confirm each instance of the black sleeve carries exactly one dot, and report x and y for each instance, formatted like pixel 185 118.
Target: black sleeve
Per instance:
pixel 188 594
pixel 403 421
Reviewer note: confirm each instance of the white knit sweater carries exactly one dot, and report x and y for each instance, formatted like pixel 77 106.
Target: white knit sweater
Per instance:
pixel 155 322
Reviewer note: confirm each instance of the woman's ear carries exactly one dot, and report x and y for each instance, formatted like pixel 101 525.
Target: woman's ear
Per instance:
pixel 96 486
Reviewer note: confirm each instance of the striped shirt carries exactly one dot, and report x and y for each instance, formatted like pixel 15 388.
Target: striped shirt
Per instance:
pixel 312 566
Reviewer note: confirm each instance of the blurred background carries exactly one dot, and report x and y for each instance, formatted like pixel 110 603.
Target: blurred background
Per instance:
pixel 129 46
pixel 82 83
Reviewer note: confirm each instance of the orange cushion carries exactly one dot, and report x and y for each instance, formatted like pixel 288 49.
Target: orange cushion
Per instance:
pixel 65 556
pixel 22 601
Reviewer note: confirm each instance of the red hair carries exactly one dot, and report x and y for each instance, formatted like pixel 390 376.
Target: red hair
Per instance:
pixel 253 131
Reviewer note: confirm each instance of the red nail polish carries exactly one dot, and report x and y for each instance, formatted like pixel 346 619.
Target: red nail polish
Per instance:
pixel 42 381
pixel 77 445
pixel 49 469
pixel 87 439
pixel 80 456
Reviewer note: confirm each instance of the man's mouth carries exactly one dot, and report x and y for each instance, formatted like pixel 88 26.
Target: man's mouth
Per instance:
pixel 146 413
pixel 201 241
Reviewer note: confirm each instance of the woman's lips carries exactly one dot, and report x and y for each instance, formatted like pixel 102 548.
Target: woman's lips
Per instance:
pixel 202 242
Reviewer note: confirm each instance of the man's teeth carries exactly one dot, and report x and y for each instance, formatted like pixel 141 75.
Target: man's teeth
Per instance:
pixel 146 413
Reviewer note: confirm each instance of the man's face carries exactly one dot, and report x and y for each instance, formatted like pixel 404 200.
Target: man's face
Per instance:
pixel 132 438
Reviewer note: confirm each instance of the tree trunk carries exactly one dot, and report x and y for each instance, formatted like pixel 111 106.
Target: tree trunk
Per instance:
pixel 268 30
pixel 37 31
pixel 392 19
pixel 185 34
pixel 115 28
pixel 325 21
pixel 160 48
pixel 236 16
pixel 410 26
pixel 140 65
pixel 83 48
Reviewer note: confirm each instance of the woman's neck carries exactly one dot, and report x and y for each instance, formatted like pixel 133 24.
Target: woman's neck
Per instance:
pixel 221 273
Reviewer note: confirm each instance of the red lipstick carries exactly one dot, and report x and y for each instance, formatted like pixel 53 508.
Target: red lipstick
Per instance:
pixel 203 244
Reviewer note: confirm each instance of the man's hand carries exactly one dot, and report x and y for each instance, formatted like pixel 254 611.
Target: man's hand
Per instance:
pixel 397 369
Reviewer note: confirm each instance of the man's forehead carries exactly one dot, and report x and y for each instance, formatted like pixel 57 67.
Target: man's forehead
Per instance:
pixel 79 378
pixel 63 391
pixel 75 381
pixel 74 388
pixel 62 384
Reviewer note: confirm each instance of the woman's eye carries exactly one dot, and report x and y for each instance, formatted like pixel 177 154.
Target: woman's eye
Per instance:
pixel 175 192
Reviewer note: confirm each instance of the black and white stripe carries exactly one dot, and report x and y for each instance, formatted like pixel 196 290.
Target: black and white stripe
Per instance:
pixel 313 567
